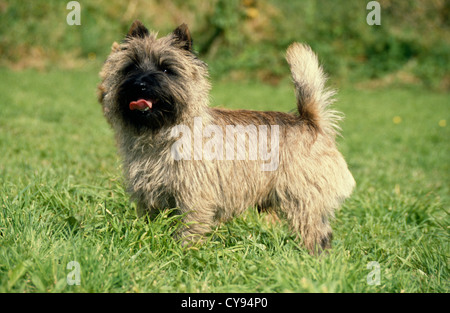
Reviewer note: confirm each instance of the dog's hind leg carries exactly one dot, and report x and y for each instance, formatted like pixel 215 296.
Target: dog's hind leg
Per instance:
pixel 308 223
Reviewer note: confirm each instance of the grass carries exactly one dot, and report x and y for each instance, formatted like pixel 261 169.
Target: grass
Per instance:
pixel 62 200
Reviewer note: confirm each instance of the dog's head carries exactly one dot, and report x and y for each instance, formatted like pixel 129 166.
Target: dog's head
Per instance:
pixel 149 82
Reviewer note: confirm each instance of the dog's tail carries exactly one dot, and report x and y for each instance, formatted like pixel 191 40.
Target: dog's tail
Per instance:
pixel 313 98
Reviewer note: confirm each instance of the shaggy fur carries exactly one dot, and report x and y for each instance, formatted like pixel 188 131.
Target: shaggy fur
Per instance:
pixel 311 180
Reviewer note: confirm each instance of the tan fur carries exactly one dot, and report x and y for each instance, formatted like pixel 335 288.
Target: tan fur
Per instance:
pixel 312 178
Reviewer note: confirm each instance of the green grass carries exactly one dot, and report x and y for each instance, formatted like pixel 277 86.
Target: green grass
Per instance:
pixel 62 200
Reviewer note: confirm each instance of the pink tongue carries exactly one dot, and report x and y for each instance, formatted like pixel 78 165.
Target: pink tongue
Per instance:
pixel 141 104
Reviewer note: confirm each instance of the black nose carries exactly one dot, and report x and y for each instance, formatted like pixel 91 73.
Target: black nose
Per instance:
pixel 143 86
pixel 146 81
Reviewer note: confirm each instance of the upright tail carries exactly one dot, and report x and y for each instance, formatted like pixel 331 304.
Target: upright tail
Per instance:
pixel 313 98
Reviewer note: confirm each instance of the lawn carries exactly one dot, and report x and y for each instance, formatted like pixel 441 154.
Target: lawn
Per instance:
pixel 62 199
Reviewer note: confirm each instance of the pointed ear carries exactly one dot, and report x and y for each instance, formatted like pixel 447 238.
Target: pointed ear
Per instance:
pixel 182 37
pixel 137 29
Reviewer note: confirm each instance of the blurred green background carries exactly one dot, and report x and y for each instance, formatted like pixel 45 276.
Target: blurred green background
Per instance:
pixel 62 194
pixel 245 38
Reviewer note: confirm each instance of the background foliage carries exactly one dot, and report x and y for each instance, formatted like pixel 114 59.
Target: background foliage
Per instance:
pixel 245 38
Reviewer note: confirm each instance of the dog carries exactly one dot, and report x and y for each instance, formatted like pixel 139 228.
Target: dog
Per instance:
pixel 212 164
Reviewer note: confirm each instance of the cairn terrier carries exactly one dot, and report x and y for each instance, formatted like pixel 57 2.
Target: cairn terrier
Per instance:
pixel 211 163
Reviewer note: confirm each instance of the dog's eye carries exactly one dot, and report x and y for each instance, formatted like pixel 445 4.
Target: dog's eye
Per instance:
pixel 167 70
pixel 130 68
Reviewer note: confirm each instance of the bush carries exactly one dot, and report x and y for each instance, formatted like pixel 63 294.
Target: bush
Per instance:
pixel 245 38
